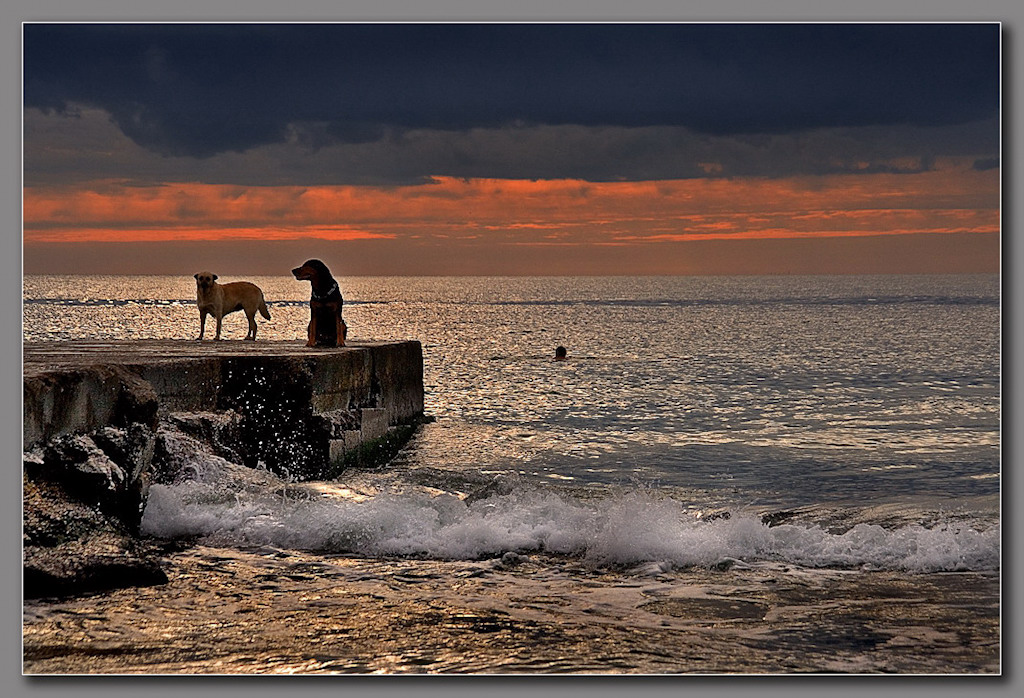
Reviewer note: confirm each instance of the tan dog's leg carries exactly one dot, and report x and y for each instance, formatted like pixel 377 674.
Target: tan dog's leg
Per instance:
pixel 342 330
pixel 216 337
pixel 250 314
pixel 202 325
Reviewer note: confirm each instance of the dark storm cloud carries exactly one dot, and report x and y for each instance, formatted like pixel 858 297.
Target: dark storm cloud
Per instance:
pixel 88 147
pixel 200 90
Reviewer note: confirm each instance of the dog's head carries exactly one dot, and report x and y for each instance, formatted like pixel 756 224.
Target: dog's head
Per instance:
pixel 312 270
pixel 205 279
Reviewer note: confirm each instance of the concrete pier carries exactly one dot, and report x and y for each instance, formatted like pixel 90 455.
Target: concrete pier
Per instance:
pixel 359 392
pixel 104 419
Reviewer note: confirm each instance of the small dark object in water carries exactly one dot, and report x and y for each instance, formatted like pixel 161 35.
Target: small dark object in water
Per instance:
pixel 560 353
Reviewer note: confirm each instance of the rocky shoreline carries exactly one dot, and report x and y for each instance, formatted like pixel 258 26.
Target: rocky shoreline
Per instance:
pixel 105 420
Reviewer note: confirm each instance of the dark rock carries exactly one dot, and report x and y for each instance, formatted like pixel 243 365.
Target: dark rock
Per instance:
pixel 374 452
pixel 344 420
pixel 110 468
pixel 717 515
pixel 137 401
pixel 179 456
pixel 498 487
pixel 52 516
pixel 218 430
pixel 94 477
pixel 130 447
pixel 98 562
pixel 777 517
pixel 71 547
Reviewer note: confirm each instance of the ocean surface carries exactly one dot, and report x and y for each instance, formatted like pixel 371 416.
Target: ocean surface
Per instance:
pixel 819 424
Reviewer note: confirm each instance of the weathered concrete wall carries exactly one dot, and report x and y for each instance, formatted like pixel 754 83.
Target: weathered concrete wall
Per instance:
pixel 95 415
pixel 293 401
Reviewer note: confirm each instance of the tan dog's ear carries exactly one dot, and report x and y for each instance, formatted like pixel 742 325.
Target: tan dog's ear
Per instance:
pixel 215 277
pixel 196 277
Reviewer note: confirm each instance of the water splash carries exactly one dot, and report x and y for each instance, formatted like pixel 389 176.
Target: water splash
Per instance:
pixel 633 528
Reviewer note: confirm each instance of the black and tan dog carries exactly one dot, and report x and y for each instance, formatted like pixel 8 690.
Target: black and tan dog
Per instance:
pixel 326 327
pixel 220 299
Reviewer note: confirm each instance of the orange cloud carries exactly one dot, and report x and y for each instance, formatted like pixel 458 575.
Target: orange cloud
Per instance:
pixel 80 234
pixel 952 198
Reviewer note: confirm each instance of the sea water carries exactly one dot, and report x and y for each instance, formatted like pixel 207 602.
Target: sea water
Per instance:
pixel 830 423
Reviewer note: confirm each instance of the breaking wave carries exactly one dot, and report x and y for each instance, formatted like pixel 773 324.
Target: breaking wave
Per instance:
pixel 635 528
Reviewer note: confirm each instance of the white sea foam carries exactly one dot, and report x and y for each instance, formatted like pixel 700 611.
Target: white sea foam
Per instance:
pixel 636 528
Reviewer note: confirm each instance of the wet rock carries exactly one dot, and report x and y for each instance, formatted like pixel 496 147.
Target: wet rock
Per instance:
pixel 776 518
pixel 498 487
pixel 717 516
pixel 179 456
pixel 131 447
pixel 52 516
pixel 218 430
pixel 110 468
pixel 70 546
pixel 292 408
pixel 99 562
pixel 93 476
pixel 511 559
pixel 83 496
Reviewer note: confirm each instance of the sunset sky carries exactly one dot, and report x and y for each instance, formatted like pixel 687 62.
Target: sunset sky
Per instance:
pixel 512 148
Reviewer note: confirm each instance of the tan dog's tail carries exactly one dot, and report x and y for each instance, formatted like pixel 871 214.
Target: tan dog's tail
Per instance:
pixel 263 309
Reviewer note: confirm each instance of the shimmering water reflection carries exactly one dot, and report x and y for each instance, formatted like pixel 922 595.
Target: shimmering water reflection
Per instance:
pixel 270 611
pixel 799 389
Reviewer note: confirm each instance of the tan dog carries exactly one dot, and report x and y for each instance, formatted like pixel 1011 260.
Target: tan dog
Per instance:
pixel 220 299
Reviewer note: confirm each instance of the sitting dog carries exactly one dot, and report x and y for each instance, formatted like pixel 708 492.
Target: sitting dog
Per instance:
pixel 326 327
pixel 220 299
